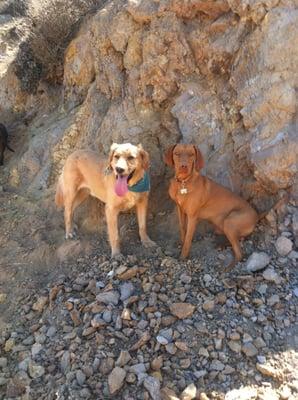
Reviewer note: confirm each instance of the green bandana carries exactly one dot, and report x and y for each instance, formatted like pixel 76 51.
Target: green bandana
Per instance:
pixel 141 186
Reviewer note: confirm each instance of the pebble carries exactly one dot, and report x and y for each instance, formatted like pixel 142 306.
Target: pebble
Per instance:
pixel 272 276
pixel 182 310
pixel 283 245
pixel 267 370
pixel 162 340
pixel 249 349
pixel 40 303
pixel 51 331
pixel 234 346
pixel 217 365
pixel 123 359
pixel 209 305
pixel 116 380
pixel 3 297
pixel 189 393
pixel 35 371
pixel 80 377
pixel 111 297
pixel 127 289
pixel 257 261
pixel 36 348
pixel 274 299
pixel 3 362
pixel 244 393
pixel 153 386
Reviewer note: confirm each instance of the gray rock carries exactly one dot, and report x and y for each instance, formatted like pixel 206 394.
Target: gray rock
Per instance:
pixel 184 278
pixel 217 365
pixel 249 349
pixel 257 261
pixel 111 297
pixel 167 334
pixel 3 380
pixel 35 371
pixel 35 349
pixel 162 340
pixel 65 362
pixel 126 289
pixel 23 365
pixel 80 377
pixel 51 331
pixel 153 386
pixel 234 346
pixel 283 245
pixel 138 369
pixel 274 299
pixel 270 275
pixel 3 362
pixel 107 316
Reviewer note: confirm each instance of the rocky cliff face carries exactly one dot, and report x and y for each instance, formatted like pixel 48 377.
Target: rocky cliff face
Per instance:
pixel 219 73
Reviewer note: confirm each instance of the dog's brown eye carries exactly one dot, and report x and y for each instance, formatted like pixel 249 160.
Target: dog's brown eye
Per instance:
pixel 130 158
pixel 116 156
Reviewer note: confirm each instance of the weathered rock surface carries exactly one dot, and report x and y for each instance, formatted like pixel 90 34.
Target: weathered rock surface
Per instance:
pixel 160 72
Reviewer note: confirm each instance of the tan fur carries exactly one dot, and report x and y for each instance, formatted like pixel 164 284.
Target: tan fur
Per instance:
pixel 86 173
pixel 206 200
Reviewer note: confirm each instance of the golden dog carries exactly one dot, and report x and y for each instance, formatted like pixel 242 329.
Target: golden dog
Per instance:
pixel 198 197
pixel 121 183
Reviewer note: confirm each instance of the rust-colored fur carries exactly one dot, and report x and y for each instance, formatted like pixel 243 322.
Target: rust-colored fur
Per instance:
pixel 198 197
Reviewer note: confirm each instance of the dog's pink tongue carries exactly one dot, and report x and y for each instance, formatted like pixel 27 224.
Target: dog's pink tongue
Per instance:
pixel 121 186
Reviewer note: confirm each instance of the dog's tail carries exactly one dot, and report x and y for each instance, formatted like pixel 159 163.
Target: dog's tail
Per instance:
pixel 9 148
pixel 276 206
pixel 59 198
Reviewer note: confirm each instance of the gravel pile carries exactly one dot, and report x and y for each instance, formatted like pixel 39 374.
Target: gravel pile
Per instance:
pixel 157 328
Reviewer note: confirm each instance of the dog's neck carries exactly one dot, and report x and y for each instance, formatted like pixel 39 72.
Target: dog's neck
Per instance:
pixel 184 185
pixel 137 176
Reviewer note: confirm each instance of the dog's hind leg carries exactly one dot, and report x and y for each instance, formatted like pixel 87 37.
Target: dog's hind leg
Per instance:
pixel 69 198
pixel 233 236
pixel 80 198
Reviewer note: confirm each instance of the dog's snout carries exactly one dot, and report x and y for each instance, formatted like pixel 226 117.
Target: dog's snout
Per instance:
pixel 120 170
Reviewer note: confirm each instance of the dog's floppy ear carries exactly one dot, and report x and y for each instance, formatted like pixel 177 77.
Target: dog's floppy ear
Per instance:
pixel 144 156
pixel 168 156
pixel 112 149
pixel 199 164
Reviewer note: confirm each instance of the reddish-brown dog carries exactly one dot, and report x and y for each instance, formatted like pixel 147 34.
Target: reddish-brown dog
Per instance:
pixel 198 197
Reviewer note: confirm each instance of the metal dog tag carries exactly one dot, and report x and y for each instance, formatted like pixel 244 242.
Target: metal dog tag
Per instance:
pixel 183 191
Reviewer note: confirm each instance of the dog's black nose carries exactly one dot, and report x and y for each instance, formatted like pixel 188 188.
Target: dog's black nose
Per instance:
pixel 119 170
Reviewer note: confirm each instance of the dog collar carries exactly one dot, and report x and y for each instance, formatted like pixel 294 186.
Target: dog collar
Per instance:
pixel 142 185
pixel 183 189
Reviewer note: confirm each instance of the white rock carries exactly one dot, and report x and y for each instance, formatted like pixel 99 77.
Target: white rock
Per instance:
pixel 270 275
pixel 283 245
pixel 257 261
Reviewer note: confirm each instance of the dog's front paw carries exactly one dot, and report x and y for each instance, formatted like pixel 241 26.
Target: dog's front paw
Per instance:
pixel 148 243
pixel 117 256
pixel 71 235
